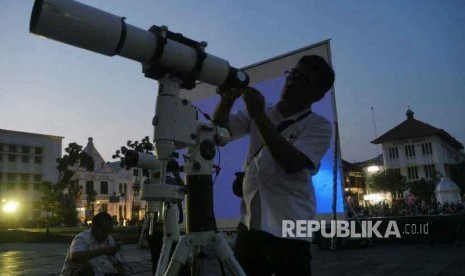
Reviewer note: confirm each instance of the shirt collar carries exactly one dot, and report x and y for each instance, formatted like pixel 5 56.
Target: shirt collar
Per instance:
pixel 291 117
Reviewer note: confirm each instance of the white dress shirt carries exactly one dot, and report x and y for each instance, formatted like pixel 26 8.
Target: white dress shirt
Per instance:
pixel 85 241
pixel 270 194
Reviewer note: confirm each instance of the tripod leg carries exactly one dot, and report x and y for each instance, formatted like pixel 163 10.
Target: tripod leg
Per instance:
pixel 170 234
pixel 180 256
pixel 198 261
pixel 164 256
pixel 226 256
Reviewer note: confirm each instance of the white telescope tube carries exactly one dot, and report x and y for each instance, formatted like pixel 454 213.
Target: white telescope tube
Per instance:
pixel 77 24
pixel 92 29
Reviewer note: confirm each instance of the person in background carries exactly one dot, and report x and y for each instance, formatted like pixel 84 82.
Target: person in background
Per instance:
pixel 93 251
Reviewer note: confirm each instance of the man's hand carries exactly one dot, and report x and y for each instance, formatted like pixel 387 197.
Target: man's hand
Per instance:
pixel 83 256
pixel 229 94
pixel 109 250
pixel 254 101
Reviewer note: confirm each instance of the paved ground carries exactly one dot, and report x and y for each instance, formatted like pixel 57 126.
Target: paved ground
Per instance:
pixel 437 259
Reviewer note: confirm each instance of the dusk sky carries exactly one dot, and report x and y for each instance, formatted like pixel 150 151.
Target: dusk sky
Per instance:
pixel 388 55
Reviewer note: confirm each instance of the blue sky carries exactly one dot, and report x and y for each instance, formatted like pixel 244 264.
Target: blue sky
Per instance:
pixel 386 54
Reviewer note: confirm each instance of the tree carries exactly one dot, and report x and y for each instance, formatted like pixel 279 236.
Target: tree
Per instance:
pixel 458 172
pixel 422 189
pixel 145 146
pixel 61 206
pixel 388 181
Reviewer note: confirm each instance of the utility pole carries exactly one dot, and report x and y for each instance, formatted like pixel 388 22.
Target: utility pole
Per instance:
pixel 374 125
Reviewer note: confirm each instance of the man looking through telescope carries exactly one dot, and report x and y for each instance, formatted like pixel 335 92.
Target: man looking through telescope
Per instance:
pixel 287 142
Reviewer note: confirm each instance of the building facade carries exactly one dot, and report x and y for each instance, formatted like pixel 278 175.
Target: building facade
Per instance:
pixel 26 159
pixel 116 190
pixel 354 183
pixel 419 150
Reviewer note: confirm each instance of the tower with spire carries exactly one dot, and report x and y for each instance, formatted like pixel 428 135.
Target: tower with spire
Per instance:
pixel 113 187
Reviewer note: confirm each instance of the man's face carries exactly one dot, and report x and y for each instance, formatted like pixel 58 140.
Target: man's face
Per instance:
pixel 299 88
pixel 101 233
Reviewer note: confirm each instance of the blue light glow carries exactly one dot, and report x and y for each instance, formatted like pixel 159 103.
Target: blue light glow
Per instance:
pixel 233 154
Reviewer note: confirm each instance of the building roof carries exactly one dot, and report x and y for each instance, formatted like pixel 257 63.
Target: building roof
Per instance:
pixel 115 166
pixel 347 166
pixel 376 161
pixel 30 133
pixel 413 128
pixel 90 149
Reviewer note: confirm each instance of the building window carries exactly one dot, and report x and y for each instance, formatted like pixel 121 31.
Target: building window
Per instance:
pixel 410 151
pixel 393 153
pixel 26 149
pixel 430 171
pixel 104 207
pixel 412 173
pixel 38 150
pixel 427 149
pixel 25 159
pixel 120 188
pixel 1 157
pixel 12 148
pixel 36 186
pixel 11 177
pixel 10 186
pixel 38 160
pixel 37 177
pixel 104 187
pixel 24 185
pixel 12 157
pixel 1 147
pixel 89 187
pixel 24 177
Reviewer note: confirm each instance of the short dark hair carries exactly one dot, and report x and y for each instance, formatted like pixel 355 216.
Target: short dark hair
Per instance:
pixel 101 219
pixel 324 72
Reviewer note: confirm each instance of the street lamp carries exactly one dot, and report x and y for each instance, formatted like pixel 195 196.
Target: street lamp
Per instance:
pixel 10 206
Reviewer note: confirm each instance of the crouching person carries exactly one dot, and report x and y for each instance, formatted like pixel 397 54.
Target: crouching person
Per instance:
pixel 93 251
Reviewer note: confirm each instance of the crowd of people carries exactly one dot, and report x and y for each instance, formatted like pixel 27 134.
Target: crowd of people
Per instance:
pixel 405 208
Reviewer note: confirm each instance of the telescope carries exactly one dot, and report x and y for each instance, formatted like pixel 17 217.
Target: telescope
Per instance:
pixel 95 30
pixel 176 62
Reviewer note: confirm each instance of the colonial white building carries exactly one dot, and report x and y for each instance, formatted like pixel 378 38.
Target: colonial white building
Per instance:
pixel 116 189
pixel 26 159
pixel 419 150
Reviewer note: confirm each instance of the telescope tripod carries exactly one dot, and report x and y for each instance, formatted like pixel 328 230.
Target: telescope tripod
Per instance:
pixel 176 127
pixel 193 244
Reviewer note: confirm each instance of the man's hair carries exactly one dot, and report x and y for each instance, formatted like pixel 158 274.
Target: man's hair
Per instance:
pixel 324 73
pixel 101 219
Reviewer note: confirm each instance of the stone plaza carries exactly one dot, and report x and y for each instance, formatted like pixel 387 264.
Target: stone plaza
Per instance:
pixel 399 259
